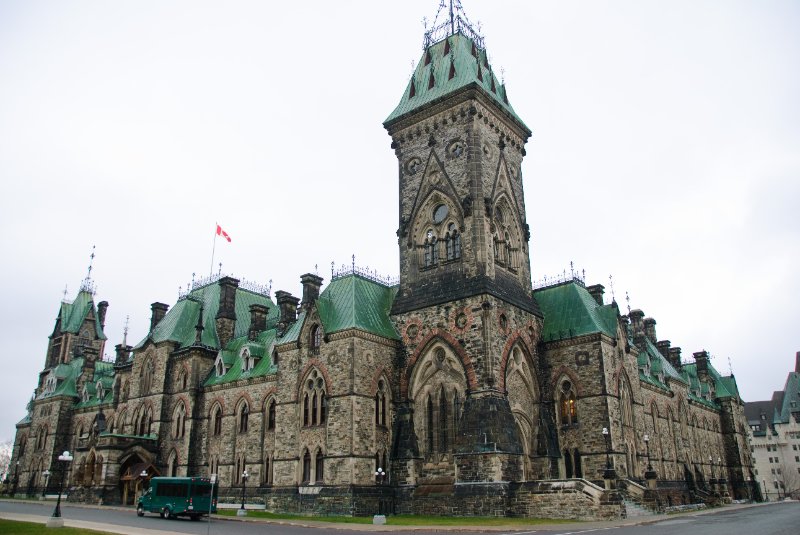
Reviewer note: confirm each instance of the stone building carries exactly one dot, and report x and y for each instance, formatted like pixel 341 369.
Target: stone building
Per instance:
pixel 774 433
pixel 476 392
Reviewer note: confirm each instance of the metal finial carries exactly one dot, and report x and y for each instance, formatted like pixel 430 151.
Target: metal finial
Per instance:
pixel 220 269
pixel 125 332
pixel 91 261
pixel 316 269
pixel 193 275
pixel 354 262
pixel 611 283
pixel 730 366
pixel 583 275
pixel 332 264
pixel 571 269
pixel 269 290
pixel 65 292
pixel 502 75
pixel 628 300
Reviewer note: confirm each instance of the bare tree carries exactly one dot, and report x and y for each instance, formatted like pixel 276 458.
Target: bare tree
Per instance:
pixel 5 459
pixel 790 481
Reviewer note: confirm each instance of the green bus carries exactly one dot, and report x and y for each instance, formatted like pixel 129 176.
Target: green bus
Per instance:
pixel 178 496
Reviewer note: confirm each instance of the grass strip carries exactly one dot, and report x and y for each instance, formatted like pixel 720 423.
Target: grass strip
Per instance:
pixel 12 527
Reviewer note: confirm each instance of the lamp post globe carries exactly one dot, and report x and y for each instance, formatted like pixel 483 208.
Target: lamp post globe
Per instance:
pixel 46 474
pixel 56 520
pixel 242 511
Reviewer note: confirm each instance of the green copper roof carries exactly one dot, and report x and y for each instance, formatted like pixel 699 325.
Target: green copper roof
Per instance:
pixel 569 310
pixel 72 315
pixel 293 332
pixel 260 349
pixel 178 325
pixel 452 64
pixel 791 399
pixel 354 302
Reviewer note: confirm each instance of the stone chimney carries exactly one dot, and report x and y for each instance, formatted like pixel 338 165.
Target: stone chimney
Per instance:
pixel 596 291
pixel 701 360
pixel 311 285
pixel 102 306
pixel 637 324
pixel 123 351
pixel 226 313
pixel 650 329
pixel 258 320
pixel 288 305
pixel 675 357
pixel 157 313
pixel 663 348
pixel 797 362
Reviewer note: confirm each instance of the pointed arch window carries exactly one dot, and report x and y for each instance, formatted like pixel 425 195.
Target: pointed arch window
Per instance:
pixel 267 472
pixel 216 421
pixel 429 420
pixel 444 427
pixel 568 406
pixel 146 378
pixel 452 242
pixel 508 257
pixel 380 405
pixel 179 421
pixel 319 467
pixel 244 416
pixel 315 338
pixel 306 467
pixel 271 415
pixel 315 402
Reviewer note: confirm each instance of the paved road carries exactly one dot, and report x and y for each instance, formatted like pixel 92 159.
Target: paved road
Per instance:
pixel 769 519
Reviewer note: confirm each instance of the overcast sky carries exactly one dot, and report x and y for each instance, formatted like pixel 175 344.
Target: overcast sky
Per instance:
pixel 664 152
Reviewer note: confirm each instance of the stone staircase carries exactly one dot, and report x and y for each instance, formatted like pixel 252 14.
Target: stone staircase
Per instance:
pixel 634 510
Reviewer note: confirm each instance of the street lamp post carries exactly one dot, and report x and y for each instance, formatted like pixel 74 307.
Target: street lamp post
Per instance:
pixel 722 481
pixel 778 486
pixel 380 518
pixel 242 511
pixel 713 481
pixel 56 521
pixel 650 474
pixel 46 475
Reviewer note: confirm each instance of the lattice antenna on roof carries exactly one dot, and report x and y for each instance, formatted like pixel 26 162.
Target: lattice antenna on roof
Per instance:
pixel 454 22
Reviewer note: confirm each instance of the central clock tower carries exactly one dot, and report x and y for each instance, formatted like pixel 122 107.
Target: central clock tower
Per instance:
pixel 464 306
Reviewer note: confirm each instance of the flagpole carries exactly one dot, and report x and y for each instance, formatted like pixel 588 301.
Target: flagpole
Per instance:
pixel 213 249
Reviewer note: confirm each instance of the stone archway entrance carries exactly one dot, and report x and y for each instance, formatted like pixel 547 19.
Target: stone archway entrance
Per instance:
pixel 131 481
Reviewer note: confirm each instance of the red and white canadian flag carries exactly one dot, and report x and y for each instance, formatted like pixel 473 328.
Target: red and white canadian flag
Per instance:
pixel 222 233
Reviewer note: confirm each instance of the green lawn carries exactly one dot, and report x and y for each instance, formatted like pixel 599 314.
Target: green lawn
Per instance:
pixel 11 527
pixel 405 520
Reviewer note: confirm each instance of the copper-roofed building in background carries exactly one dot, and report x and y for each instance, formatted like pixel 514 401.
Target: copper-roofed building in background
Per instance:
pixel 774 432
pixel 474 392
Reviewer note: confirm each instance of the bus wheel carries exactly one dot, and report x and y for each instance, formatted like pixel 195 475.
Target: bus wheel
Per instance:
pixel 140 510
pixel 164 513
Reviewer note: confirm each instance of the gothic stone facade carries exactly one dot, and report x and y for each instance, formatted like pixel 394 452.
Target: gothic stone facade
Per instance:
pixel 475 392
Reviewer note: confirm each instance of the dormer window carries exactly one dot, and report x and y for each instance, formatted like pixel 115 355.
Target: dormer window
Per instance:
pixel 219 366
pixel 248 362
pixel 315 339
pixel 50 384
pixel 100 392
pixel 85 394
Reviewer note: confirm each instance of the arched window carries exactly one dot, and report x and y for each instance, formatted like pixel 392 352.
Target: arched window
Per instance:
pixel 183 380
pixel 216 421
pixel 453 242
pixel 146 379
pixel 179 421
pixel 271 415
pixel 429 418
pixel 509 259
pixel 568 464
pixel 431 251
pixel 315 338
pixel 568 406
pixel 172 464
pixel 21 446
pixel 244 415
pixel 240 467
pixel 380 405
pixel 319 467
pixel 577 462
pixel 444 426
pixel 315 402
pixel 220 368
pixel 213 465
pixel 306 467
pixel 267 475
pixel 41 438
